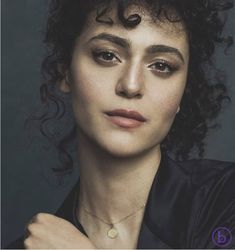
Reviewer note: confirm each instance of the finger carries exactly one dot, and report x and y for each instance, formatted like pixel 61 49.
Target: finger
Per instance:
pixel 27 232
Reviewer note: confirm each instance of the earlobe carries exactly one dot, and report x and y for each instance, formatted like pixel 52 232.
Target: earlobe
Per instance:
pixel 178 110
pixel 64 85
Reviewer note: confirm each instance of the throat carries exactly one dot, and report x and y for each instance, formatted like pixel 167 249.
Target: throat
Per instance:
pixel 123 234
pixel 121 192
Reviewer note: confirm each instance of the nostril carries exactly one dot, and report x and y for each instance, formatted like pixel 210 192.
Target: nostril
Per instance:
pixel 129 89
pixel 122 93
pixel 130 95
pixel 138 96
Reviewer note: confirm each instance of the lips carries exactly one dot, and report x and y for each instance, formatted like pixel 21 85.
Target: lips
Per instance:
pixel 126 118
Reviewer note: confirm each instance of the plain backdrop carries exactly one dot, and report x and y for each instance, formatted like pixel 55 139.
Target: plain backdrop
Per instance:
pixel 25 189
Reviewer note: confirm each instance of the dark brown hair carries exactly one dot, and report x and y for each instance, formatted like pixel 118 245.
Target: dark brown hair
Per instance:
pixel 205 91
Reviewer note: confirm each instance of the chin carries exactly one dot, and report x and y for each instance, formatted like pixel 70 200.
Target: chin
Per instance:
pixel 121 144
pixel 126 148
pixel 122 153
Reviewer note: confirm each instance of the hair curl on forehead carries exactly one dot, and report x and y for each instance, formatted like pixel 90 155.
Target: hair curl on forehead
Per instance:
pixel 205 90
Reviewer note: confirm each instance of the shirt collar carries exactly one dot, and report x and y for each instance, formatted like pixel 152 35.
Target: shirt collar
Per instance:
pixel 166 212
pixel 167 209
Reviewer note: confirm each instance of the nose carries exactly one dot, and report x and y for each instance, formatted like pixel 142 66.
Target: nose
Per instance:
pixel 131 83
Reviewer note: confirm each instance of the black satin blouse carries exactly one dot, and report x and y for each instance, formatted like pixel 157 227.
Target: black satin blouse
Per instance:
pixel 191 204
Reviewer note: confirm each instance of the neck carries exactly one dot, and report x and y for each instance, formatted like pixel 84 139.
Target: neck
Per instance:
pixel 110 186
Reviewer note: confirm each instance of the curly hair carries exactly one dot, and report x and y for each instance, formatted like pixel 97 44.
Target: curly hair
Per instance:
pixel 205 90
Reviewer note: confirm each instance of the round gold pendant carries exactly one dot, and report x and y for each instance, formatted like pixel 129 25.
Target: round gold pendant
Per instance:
pixel 112 233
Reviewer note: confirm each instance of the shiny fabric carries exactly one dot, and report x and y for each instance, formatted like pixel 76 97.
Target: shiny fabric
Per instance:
pixel 187 203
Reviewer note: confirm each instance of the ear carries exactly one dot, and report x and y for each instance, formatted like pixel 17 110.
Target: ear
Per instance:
pixel 65 85
pixel 178 110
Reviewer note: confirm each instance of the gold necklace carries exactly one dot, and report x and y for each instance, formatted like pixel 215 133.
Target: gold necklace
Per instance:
pixel 112 232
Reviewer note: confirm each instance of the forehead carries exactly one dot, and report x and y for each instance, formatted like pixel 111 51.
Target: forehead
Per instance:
pixel 149 31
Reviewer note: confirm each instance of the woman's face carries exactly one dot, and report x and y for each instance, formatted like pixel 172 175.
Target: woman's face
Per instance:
pixel 127 84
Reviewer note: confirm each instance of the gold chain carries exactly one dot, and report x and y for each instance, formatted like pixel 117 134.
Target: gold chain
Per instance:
pixel 108 223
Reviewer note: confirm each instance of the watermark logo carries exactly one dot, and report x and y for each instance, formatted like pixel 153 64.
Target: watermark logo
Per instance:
pixel 222 237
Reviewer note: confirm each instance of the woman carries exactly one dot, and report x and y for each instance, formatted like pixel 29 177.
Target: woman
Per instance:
pixel 137 75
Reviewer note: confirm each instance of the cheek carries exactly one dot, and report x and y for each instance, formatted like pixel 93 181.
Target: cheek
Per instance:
pixel 167 103
pixel 170 106
pixel 85 88
pixel 170 96
pixel 90 84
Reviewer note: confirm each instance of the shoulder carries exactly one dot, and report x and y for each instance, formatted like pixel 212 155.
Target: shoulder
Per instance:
pixel 212 200
pixel 212 183
pixel 206 171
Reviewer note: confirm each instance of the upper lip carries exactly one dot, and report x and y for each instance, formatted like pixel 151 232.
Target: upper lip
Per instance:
pixel 131 114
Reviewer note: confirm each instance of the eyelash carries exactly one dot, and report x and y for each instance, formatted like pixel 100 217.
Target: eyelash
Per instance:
pixel 168 69
pixel 99 56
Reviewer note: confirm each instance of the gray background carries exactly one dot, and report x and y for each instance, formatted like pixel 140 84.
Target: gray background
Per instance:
pixel 27 187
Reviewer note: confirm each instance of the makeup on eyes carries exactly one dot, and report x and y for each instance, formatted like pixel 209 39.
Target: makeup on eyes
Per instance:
pixel 106 57
pixel 164 64
pixel 107 46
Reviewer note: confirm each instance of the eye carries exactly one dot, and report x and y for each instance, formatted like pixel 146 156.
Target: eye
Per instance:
pixel 162 67
pixel 105 57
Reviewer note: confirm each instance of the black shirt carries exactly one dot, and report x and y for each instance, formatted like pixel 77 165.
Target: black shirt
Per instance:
pixel 191 204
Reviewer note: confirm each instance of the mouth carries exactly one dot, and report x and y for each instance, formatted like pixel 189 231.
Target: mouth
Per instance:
pixel 126 118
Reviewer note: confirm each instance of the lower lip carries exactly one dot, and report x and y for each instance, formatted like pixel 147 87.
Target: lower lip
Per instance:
pixel 125 122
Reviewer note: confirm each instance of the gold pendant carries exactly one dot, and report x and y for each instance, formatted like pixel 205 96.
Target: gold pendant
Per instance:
pixel 112 233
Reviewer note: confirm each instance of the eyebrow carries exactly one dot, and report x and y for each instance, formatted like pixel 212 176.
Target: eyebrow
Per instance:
pixel 165 49
pixel 126 44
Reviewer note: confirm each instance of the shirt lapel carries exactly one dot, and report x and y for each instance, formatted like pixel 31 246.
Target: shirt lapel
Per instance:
pixel 167 208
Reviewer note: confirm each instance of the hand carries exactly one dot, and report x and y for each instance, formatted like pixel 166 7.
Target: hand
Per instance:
pixel 46 231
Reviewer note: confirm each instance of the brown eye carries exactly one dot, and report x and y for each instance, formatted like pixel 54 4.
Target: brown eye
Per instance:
pixel 162 67
pixel 105 57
